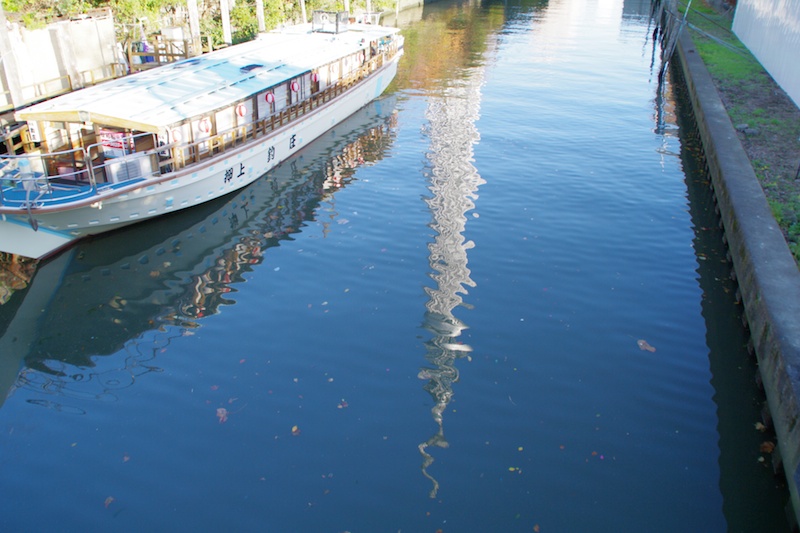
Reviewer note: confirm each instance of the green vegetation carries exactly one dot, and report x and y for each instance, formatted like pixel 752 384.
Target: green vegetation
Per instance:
pixel 137 17
pixel 751 98
pixel 724 55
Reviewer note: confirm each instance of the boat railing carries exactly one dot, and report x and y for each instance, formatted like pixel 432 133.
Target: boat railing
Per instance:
pixel 72 174
pixel 42 176
pixel 122 159
pixel 189 153
pixel 193 152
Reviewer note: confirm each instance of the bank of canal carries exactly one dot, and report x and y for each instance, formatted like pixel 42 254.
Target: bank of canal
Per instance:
pixel 766 272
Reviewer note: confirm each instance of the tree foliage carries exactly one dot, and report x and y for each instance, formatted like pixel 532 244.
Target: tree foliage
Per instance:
pixel 136 19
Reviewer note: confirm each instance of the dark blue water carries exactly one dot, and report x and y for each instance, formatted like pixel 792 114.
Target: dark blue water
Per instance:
pixel 494 300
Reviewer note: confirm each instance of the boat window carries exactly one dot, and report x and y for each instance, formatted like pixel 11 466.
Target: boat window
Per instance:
pixel 248 68
pixel 56 135
pixel 225 119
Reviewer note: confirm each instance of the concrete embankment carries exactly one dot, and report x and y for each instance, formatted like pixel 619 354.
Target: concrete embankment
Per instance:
pixel 768 277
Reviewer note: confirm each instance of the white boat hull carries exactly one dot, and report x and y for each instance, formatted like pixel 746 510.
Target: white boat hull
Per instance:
pixel 218 176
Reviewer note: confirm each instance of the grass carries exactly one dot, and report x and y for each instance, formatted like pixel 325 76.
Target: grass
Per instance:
pixel 741 78
pixel 724 55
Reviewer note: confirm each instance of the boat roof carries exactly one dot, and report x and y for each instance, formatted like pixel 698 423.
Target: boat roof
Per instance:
pixel 157 98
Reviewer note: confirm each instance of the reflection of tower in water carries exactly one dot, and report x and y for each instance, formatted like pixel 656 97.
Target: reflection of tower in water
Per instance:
pixel 453 184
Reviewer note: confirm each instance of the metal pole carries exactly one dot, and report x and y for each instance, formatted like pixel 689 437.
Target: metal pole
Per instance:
pixel 797 176
pixel 262 26
pixel 224 6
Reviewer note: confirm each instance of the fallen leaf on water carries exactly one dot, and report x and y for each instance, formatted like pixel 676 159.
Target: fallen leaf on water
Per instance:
pixel 109 500
pixel 214 387
pixel 761 427
pixel 767 447
pixel 295 431
pixel 342 404
pixel 222 414
pixel 644 345
pixel 126 458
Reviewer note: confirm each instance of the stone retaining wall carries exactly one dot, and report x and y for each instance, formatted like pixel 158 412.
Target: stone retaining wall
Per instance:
pixel 768 277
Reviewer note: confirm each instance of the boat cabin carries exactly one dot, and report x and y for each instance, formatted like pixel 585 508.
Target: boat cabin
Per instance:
pixel 162 120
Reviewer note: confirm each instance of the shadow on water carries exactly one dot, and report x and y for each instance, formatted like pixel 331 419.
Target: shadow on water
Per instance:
pixel 754 497
pixel 167 273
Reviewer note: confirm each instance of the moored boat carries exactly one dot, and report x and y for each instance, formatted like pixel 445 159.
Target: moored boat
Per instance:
pixel 177 136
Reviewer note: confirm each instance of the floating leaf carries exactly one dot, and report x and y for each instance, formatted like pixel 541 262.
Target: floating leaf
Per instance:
pixel 222 414
pixel 295 431
pixel 767 447
pixel 109 501
pixel 126 458
pixel 761 427
pixel 343 404
pixel 644 345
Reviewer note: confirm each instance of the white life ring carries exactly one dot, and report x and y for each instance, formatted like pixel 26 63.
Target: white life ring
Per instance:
pixel 241 110
pixel 204 125
pixel 295 86
pixel 176 135
pixel 270 98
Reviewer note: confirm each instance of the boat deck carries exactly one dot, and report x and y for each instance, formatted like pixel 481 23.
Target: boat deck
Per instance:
pixel 37 191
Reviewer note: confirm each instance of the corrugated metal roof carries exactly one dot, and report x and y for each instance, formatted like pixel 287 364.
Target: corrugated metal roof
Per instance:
pixel 154 99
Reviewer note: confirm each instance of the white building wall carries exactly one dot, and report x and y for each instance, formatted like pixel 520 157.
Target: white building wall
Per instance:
pixel 94 45
pixel 771 30
pixel 54 59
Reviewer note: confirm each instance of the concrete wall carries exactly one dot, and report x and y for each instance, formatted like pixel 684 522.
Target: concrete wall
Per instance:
pixel 771 30
pixel 63 56
pixel 768 277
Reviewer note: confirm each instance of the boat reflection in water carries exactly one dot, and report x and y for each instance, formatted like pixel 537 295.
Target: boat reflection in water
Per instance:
pixel 96 297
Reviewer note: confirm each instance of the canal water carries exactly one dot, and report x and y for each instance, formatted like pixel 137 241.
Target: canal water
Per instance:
pixel 496 299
